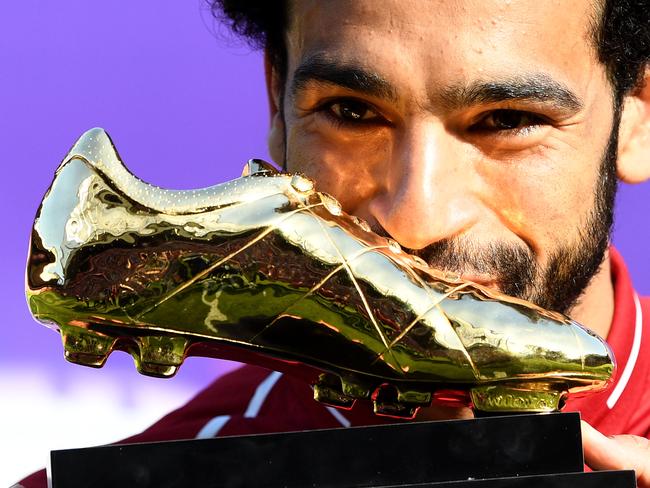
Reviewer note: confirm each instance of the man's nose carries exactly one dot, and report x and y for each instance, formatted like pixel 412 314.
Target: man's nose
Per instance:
pixel 426 195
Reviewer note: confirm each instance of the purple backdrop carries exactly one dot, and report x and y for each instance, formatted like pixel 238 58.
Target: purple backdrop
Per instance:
pixel 185 107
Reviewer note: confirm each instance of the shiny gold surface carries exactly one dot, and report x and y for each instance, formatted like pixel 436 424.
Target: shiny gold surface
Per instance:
pixel 265 268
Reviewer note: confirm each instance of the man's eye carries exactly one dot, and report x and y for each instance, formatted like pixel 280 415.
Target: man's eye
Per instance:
pixel 509 120
pixel 352 111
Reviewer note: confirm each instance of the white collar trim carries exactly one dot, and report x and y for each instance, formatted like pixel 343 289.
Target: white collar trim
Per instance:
pixel 631 360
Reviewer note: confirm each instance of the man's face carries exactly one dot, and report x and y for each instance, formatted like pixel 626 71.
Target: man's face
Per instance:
pixel 471 131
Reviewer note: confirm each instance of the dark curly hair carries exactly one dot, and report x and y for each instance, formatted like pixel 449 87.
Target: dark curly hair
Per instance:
pixel 621 34
pixel 261 22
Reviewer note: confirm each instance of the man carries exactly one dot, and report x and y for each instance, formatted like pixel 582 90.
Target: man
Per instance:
pixel 484 136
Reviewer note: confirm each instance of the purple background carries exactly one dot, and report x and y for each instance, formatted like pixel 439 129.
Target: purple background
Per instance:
pixel 185 107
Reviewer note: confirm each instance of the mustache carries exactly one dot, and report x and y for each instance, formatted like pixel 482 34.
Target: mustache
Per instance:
pixel 512 267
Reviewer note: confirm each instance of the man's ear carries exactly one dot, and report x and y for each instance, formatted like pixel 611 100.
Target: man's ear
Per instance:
pixel 633 164
pixel 274 87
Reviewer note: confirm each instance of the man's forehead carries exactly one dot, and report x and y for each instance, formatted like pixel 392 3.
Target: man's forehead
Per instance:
pixel 469 38
pixel 414 15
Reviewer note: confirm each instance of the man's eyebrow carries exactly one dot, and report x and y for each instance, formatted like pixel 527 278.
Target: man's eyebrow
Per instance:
pixel 537 88
pixel 345 74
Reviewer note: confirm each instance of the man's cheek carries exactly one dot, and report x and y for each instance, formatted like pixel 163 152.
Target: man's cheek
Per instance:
pixel 527 200
pixel 349 171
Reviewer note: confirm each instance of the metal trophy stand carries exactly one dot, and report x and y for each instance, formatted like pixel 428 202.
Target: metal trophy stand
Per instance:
pixel 539 450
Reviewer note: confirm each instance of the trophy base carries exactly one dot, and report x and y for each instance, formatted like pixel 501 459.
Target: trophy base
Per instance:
pixel 507 451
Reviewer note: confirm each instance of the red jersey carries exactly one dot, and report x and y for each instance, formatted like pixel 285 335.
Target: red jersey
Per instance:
pixel 253 400
pixel 624 408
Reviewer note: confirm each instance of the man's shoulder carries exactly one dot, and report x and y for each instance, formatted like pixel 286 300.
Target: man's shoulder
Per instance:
pixel 628 400
pixel 645 304
pixel 248 400
pixel 232 391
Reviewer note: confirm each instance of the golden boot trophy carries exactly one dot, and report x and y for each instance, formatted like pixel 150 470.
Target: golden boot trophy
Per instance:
pixel 265 269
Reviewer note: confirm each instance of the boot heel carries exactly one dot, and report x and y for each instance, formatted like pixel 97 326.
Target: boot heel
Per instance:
pixel 520 398
pixel 160 356
pixel 85 346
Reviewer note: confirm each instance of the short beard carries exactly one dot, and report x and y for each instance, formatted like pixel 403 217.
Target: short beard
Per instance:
pixel 559 285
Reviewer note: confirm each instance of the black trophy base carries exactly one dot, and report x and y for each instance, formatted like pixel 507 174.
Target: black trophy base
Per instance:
pixel 509 452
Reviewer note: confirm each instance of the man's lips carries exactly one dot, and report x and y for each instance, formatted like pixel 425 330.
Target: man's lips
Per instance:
pixel 481 279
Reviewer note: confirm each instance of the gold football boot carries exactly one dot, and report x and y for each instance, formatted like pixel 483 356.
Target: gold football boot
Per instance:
pixel 265 269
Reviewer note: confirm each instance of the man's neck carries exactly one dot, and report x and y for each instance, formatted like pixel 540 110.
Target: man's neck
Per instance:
pixel 596 306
